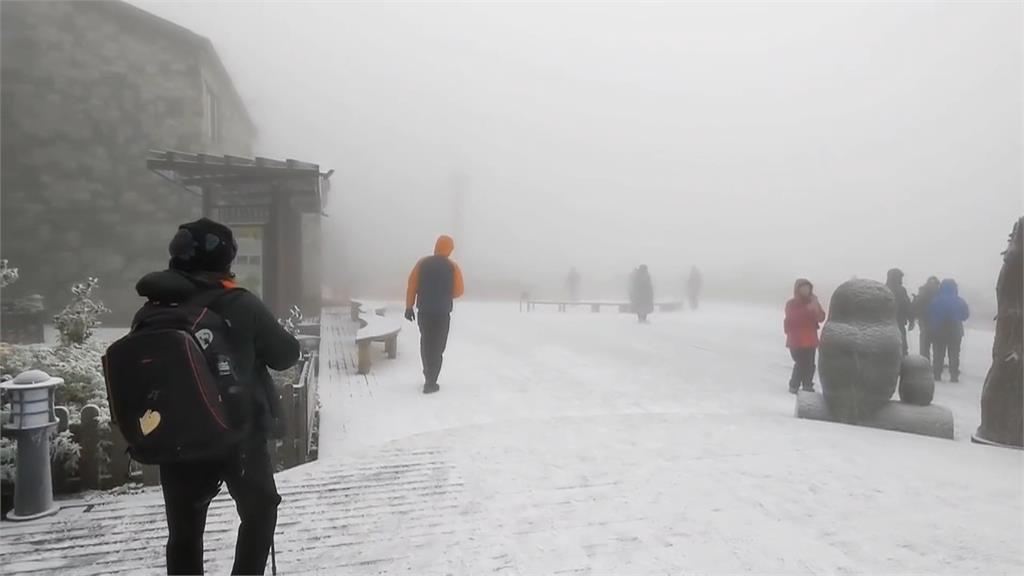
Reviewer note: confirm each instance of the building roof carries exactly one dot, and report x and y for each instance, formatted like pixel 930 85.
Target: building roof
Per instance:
pixel 244 180
pixel 122 9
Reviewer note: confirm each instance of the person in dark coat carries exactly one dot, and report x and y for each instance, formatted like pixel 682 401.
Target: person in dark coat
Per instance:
pixel 946 316
pixel 201 256
pixel 904 313
pixel 434 283
pixel 804 314
pixel 693 287
pixel 641 293
pixel 922 301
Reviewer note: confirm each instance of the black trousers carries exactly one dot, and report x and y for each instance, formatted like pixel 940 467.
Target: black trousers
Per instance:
pixel 803 367
pixel 903 338
pixel 433 342
pixel 946 344
pixel 189 488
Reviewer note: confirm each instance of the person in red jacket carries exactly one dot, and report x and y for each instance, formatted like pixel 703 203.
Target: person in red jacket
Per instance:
pixel 803 316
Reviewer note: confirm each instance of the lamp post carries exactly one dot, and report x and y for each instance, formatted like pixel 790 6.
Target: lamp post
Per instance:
pixel 32 418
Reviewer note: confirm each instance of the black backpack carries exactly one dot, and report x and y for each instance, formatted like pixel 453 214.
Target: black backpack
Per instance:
pixel 171 383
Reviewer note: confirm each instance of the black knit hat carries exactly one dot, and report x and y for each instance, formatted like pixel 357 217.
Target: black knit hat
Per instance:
pixel 203 246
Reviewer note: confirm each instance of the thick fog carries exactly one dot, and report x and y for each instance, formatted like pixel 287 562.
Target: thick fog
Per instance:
pixel 757 142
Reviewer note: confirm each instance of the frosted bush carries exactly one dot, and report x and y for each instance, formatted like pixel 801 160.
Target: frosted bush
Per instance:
pixel 78 319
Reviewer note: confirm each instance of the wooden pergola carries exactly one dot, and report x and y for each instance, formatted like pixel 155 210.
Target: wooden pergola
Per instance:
pixel 283 199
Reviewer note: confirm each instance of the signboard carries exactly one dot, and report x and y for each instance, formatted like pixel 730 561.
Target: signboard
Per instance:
pixel 248 266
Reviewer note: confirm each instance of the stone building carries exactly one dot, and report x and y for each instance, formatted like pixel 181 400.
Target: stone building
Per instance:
pixel 88 88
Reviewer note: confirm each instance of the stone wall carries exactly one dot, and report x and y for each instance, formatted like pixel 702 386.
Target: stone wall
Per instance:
pixel 87 89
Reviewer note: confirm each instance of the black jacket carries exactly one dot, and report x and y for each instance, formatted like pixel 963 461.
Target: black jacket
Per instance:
pixel 894 281
pixel 257 340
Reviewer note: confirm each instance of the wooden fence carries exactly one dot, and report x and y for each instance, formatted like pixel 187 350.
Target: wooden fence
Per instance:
pixel 104 462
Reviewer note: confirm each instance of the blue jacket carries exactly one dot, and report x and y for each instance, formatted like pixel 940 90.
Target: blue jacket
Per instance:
pixel 948 310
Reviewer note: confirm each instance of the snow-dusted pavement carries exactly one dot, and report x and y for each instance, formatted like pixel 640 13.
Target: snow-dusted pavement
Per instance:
pixel 585 443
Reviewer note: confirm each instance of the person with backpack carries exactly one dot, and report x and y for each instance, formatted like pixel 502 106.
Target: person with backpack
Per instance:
pixel 946 316
pixel 803 316
pixel 190 391
pixel 434 284
pixel 920 304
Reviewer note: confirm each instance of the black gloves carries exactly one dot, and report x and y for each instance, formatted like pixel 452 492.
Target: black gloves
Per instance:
pixel 410 315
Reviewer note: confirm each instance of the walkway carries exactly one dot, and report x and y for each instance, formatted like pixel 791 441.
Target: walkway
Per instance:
pixel 584 443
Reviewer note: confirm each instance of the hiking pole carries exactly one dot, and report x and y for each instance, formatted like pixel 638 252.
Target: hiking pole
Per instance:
pixel 273 559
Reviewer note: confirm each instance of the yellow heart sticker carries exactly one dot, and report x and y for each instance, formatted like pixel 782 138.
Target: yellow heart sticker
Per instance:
pixel 149 421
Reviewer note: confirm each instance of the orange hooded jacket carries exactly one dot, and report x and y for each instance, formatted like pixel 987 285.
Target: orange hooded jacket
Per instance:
pixel 423 279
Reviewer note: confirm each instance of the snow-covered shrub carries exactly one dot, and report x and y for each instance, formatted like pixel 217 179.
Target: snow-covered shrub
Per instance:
pixel 8 449
pixel 65 452
pixel 78 319
pixel 292 322
pixel 8 275
pixel 80 366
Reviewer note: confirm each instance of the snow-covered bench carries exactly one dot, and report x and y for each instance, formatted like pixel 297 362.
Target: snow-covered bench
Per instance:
pixel 366 308
pixel 595 305
pixel 376 327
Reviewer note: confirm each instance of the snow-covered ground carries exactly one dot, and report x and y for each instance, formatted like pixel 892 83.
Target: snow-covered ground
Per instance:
pixel 584 443
pixel 506 365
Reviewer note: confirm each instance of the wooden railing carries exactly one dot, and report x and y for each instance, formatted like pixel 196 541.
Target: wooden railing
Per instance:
pixel 104 462
pixel 301 413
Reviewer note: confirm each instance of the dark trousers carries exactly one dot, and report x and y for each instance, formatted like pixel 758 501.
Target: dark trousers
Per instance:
pixel 803 367
pixel 925 341
pixel 433 341
pixel 189 488
pixel 946 344
pixel 903 338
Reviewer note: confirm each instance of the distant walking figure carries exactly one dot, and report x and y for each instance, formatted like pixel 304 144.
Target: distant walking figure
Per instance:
pixel 693 287
pixel 434 283
pixel 904 314
pixel 573 283
pixel 641 293
pixel 947 314
pixel 803 316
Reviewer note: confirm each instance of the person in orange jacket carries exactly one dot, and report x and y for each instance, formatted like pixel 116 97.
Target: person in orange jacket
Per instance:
pixel 803 316
pixel 435 282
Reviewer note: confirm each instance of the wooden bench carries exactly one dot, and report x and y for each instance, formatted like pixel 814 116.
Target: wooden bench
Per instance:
pixel 376 327
pixel 367 307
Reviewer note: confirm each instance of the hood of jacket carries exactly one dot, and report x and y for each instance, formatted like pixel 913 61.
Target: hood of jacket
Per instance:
pixel 948 288
pixel 444 246
pixel 801 282
pixel 177 286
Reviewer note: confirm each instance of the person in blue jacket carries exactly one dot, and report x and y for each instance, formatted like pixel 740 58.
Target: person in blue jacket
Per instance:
pixel 947 314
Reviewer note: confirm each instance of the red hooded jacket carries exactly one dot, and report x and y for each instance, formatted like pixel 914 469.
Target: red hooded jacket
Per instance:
pixel 803 315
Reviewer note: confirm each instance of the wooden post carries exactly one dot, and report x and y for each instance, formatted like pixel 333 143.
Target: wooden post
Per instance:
pixel 301 426
pixel 120 463
pixel 61 482
pixel 207 194
pixel 89 439
pixel 288 404
pixel 150 475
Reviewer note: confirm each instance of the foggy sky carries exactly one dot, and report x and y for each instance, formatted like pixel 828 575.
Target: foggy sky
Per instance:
pixel 758 141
